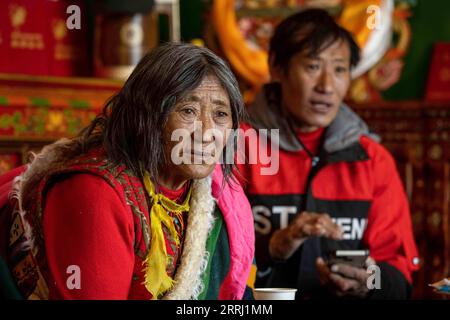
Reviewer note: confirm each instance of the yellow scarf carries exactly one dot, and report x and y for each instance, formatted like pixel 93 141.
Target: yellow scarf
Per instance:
pixel 157 281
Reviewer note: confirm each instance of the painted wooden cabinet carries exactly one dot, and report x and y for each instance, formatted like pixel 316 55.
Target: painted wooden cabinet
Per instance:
pixel 35 111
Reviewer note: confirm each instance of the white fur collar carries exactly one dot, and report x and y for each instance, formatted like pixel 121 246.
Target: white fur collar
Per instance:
pixel 50 159
pixel 194 259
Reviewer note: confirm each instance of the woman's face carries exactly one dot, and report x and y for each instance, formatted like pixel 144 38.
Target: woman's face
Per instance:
pixel 313 88
pixel 196 132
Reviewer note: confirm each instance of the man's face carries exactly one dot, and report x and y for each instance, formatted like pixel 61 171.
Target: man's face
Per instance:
pixel 196 131
pixel 314 87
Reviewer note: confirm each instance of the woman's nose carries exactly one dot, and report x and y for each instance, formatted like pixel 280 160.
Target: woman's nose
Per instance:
pixel 204 130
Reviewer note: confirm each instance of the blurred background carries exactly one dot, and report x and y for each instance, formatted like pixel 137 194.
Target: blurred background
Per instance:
pixel 60 61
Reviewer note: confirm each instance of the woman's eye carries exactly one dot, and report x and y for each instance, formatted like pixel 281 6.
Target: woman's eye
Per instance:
pixel 222 114
pixel 188 111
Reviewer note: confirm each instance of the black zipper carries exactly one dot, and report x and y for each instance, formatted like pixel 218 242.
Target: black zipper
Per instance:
pixel 317 163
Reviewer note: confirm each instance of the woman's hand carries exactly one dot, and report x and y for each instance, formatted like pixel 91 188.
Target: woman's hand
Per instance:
pixel 344 280
pixel 285 242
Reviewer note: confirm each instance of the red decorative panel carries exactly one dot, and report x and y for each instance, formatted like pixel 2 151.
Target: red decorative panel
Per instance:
pixel 438 86
pixel 9 161
pixel 35 39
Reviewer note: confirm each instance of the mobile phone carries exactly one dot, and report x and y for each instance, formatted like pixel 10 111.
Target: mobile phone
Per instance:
pixel 355 258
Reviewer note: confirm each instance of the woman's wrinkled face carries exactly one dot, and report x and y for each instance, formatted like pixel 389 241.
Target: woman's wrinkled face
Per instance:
pixel 197 131
pixel 314 87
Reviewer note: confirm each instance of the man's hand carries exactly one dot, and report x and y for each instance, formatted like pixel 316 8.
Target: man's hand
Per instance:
pixel 309 224
pixel 285 242
pixel 344 280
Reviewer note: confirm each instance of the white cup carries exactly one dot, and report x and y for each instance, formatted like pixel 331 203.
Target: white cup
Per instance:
pixel 274 293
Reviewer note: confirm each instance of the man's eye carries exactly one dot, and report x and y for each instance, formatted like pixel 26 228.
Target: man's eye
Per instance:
pixel 313 67
pixel 341 69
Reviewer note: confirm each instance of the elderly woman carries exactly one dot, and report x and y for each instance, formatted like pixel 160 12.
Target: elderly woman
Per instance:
pixel 114 214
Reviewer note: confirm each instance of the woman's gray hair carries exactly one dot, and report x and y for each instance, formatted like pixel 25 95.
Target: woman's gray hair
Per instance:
pixel 132 122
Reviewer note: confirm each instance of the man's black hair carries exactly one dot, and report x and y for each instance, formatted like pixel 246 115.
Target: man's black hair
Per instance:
pixel 310 31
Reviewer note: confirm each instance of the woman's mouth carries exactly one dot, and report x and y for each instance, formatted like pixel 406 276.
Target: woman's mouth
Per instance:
pixel 200 153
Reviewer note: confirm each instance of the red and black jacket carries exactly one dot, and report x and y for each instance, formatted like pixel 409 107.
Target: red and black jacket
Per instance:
pixel 355 181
